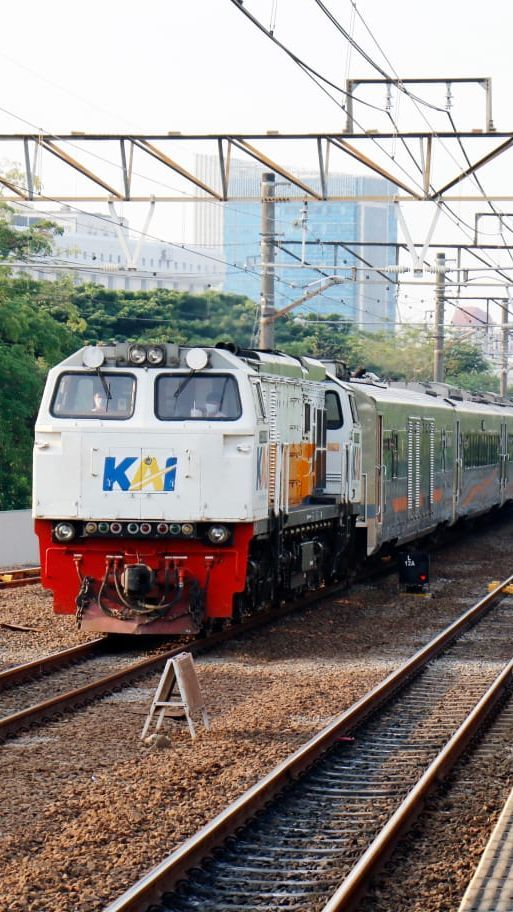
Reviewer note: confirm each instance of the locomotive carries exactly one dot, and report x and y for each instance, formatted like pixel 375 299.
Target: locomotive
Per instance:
pixel 176 487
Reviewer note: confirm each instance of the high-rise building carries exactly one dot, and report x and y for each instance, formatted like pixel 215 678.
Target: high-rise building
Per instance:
pixel 336 232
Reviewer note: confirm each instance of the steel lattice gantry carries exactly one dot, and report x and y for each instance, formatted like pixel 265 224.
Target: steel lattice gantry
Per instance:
pixel 80 167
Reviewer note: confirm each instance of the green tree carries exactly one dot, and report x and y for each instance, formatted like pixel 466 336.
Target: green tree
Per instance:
pixel 33 241
pixel 463 357
pixel 30 341
pixel 319 335
pixel 404 355
pixel 37 326
pixel 164 315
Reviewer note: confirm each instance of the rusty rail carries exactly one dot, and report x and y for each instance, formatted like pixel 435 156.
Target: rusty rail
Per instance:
pixel 18 674
pixel 25 576
pixel 165 876
pixel 13 723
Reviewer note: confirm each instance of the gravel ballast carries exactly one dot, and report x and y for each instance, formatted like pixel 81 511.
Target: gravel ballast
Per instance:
pixel 88 807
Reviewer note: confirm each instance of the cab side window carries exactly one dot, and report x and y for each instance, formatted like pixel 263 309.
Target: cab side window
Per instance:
pixel 335 419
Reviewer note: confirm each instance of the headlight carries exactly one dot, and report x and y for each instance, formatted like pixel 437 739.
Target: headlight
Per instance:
pixel 218 535
pixel 92 356
pixel 196 359
pixel 64 532
pixel 155 355
pixel 137 354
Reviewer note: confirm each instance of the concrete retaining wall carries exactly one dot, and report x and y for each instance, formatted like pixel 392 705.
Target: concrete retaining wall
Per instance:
pixel 18 543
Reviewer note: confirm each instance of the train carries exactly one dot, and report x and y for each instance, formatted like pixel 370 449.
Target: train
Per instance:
pixel 177 488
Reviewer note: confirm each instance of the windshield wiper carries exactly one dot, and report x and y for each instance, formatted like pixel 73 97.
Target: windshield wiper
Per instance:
pixel 104 383
pixel 181 386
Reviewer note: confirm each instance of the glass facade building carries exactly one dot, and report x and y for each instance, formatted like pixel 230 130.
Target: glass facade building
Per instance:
pixel 334 232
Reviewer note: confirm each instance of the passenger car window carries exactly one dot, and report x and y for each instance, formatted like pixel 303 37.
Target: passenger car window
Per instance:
pixel 335 419
pixel 197 397
pixel 85 396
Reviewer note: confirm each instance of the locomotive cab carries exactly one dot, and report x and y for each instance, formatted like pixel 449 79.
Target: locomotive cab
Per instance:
pixel 172 484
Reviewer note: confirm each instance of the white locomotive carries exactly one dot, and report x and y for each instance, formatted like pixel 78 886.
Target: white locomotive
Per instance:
pixel 176 486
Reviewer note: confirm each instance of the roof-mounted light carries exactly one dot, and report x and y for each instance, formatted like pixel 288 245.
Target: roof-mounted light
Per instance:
pixel 196 359
pixel 92 357
pixel 156 355
pixel 137 354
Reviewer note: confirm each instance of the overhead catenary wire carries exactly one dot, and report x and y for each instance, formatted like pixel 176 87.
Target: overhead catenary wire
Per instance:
pixel 172 244
pixel 230 265
pixel 453 217
pixel 181 246
pixel 245 268
pixel 402 88
pixel 235 266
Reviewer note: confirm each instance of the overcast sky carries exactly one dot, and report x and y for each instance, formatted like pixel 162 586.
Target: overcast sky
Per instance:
pixel 202 66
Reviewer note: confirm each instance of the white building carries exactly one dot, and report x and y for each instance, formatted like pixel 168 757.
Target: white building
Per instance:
pixel 100 249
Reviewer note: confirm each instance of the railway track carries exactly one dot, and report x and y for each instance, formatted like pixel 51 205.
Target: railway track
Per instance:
pixel 20 674
pixel 27 576
pixel 27 684
pixel 40 710
pixel 312 833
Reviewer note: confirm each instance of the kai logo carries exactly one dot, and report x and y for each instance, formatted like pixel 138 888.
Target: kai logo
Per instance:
pixel 132 474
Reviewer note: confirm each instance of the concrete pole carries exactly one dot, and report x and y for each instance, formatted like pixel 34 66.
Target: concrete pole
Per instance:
pixel 267 309
pixel 438 367
pixel 503 389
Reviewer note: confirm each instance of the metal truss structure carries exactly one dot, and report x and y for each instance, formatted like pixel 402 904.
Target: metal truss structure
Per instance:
pixel 114 167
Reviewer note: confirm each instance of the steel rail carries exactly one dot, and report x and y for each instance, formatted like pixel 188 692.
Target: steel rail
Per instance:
pixel 11 724
pixel 165 876
pixel 26 576
pixel 18 674
pixel 19 571
pixel 354 886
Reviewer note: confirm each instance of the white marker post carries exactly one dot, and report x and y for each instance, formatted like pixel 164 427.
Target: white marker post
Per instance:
pixel 180 673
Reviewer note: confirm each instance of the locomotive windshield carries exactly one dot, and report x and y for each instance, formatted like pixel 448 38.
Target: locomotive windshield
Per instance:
pixel 86 396
pixel 194 396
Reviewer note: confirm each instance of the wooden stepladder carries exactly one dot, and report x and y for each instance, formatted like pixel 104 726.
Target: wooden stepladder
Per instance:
pixel 178 688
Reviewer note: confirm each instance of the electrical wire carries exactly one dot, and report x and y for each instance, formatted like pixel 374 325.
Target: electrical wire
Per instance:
pixel 246 269
pixel 413 97
pixel 402 88
pixel 101 158
pixel 417 101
